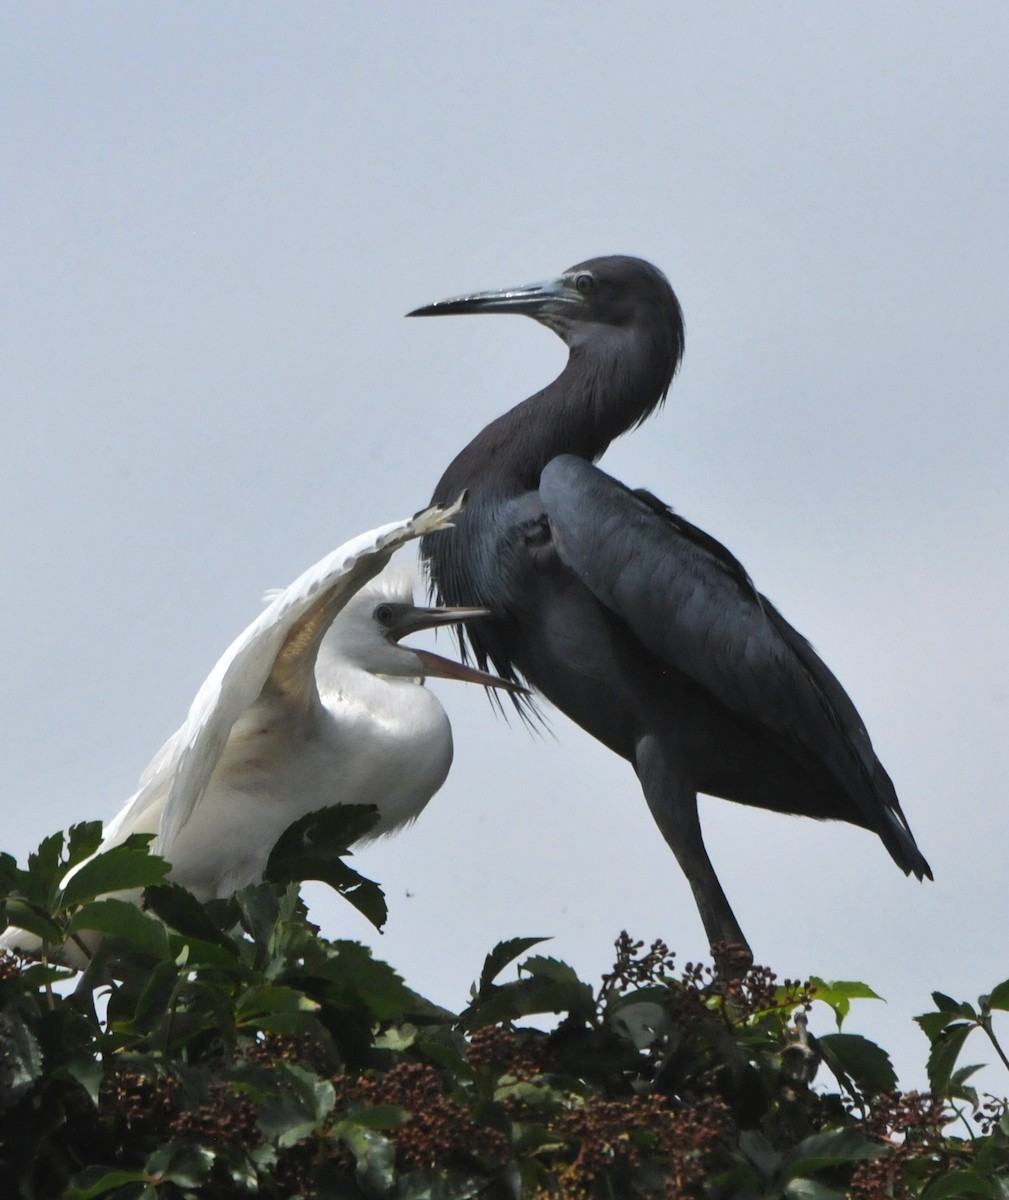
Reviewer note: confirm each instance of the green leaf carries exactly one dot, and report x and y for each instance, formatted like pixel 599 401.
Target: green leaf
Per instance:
pixel 301 1103
pixel 853 1057
pixel 21 1059
pixel 759 1151
pixel 272 997
pixel 839 993
pixel 828 1150
pixel 83 840
pixel 124 868
pixel 809 1189
pixel 260 911
pixel 502 954
pixel 375 984
pixel 959 1089
pixel 11 874
pixel 158 993
pixel 182 1163
pixel 314 848
pixel 934 1023
pixel 945 1051
pixel 102 1184
pixel 120 919
pixel 542 967
pixel 26 916
pixel 183 912
pixel 257 1007
pixel 87 1071
pixel 331 830
pixel 37 976
pixel 528 997
pixel 374 1154
pixel 954 1184
pixel 379 1116
pixel 947 1004
pixel 197 953
pixel 999 996
pixel 45 870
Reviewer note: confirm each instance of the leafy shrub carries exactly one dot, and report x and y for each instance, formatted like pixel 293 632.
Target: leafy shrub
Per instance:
pixel 224 1050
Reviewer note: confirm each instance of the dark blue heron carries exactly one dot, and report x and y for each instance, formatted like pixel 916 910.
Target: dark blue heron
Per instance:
pixel 643 629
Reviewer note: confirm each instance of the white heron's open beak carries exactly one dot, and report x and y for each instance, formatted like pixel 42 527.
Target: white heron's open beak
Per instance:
pixel 415 619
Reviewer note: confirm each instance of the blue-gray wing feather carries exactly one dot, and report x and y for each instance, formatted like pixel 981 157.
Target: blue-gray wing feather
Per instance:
pixel 691 603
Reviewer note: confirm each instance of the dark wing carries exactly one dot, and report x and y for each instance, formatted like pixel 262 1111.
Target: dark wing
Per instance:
pixel 691 603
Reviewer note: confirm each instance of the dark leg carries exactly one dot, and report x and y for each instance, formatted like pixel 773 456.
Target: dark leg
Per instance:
pixel 673 803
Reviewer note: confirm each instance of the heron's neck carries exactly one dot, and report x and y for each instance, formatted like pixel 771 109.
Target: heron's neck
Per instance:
pixel 609 384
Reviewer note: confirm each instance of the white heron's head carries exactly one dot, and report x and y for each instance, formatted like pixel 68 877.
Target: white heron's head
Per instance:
pixel 367 631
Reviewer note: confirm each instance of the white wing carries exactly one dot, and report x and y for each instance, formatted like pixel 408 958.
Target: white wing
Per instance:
pixel 176 778
pixel 238 678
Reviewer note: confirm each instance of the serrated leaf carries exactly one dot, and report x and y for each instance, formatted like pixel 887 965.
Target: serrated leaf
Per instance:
pixel 809 1189
pixel 331 830
pixel 101 1182
pixel 156 996
pixel 45 870
pixel 86 1071
pixel 541 966
pixel 83 840
pixel 947 1004
pixel 828 1150
pixel 315 846
pixel 379 1116
pixel 529 997
pixel 839 993
pixel 502 954
pixel 945 1051
pixel 934 1023
pixel 120 919
pixel 21 1056
pixel 353 968
pixel 10 873
pixel 23 915
pixel 185 1164
pixel 183 912
pixel 122 869
pixel 954 1184
pixel 374 1154
pixel 759 1151
pixel 396 1038
pixel 260 911
pixel 39 975
pixel 273 998
pixel 300 1104
pixel 196 953
pixel 860 1060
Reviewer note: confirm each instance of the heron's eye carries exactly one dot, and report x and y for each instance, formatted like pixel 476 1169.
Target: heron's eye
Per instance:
pixel 585 284
pixel 383 614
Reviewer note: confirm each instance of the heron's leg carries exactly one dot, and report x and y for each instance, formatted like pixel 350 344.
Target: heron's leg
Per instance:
pixel 673 803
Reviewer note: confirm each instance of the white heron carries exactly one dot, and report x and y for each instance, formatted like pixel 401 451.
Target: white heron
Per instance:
pixel 315 704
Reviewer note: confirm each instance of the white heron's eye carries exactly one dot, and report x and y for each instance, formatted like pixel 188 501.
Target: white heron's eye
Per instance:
pixel 585 284
pixel 383 614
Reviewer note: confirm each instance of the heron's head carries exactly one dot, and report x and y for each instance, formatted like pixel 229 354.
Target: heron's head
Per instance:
pixel 368 630
pixel 612 292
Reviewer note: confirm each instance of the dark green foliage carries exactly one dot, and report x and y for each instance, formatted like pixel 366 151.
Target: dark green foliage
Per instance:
pixel 226 1050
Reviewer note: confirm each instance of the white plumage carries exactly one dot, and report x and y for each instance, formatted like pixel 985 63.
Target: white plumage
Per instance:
pixel 314 704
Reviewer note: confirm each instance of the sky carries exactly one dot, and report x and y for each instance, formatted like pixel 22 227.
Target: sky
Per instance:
pixel 214 219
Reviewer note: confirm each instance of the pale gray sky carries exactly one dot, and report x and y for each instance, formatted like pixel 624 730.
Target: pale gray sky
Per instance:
pixel 213 220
